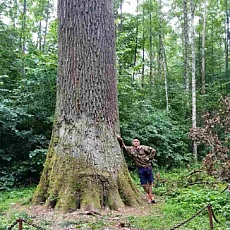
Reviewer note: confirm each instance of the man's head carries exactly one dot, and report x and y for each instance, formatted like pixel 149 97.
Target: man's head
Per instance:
pixel 136 142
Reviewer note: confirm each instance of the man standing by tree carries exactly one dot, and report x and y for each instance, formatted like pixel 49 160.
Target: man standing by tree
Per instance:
pixel 143 156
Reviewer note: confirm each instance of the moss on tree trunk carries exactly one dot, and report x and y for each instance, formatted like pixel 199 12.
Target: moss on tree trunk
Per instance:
pixel 88 174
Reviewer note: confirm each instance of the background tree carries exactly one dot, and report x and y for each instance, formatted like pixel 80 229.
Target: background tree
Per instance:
pixel 194 113
pixel 203 51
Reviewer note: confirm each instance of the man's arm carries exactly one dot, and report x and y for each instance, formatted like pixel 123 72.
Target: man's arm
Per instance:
pixel 150 152
pixel 123 146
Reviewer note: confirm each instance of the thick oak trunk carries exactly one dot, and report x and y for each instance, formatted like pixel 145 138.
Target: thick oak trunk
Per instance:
pixel 85 167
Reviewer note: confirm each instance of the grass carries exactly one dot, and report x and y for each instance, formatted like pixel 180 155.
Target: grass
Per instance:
pixel 11 198
pixel 8 198
pixel 183 198
pixel 177 192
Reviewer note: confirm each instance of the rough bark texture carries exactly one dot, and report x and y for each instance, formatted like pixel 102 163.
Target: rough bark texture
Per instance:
pixel 85 167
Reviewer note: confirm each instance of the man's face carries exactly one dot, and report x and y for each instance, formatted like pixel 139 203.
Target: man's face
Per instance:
pixel 136 142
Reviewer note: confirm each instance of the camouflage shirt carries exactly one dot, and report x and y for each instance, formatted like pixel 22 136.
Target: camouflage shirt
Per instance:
pixel 142 156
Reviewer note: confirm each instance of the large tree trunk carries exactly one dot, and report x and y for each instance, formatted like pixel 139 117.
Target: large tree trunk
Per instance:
pixel 85 167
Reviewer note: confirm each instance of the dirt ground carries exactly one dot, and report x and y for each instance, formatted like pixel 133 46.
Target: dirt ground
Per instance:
pixel 105 219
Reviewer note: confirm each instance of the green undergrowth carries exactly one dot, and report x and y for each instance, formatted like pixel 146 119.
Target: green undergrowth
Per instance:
pixel 180 194
pixel 10 203
pixel 13 196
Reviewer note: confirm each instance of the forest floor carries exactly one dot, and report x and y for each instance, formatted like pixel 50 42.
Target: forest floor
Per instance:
pixel 105 219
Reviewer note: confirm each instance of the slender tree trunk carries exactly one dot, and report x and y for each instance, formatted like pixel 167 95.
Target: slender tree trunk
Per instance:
pixel 15 12
pixel 143 51
pixel 46 24
pixel 193 76
pixel 121 11
pixel 160 50
pixel 186 42
pixel 136 42
pixel 227 40
pixel 39 39
pixel 209 77
pixel 162 57
pixel 203 51
pixel 150 47
pixel 84 167
pixel 166 82
pixel 24 27
pixel 23 37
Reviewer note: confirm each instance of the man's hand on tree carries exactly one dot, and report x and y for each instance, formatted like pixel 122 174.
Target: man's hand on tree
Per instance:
pixel 120 140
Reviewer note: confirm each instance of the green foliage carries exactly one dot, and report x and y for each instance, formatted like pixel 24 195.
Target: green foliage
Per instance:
pixel 22 151
pixel 139 117
pixel 183 201
pixel 26 122
pixel 7 198
pixel 28 78
pixel 26 107
pixel 11 202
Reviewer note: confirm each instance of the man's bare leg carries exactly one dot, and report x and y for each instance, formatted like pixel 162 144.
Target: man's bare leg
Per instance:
pixel 151 191
pixel 146 188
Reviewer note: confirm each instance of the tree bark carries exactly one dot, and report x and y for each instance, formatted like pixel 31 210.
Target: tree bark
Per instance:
pixel 186 42
pixel 46 24
pixel 150 47
pixel 15 12
pixel 136 43
pixel 166 82
pixel 161 46
pixel 39 38
pixel 193 76
pixel 203 51
pixel 143 50
pixel 162 57
pixel 227 40
pixel 85 167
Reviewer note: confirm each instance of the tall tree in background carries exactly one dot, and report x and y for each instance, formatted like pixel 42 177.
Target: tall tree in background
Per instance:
pixel 23 36
pixel 186 45
pixel 150 46
pixel 85 167
pixel 136 43
pixel 227 38
pixel 203 51
pixel 143 48
pixel 162 62
pixel 192 7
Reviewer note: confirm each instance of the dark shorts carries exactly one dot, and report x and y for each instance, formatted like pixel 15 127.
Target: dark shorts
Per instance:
pixel 146 175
